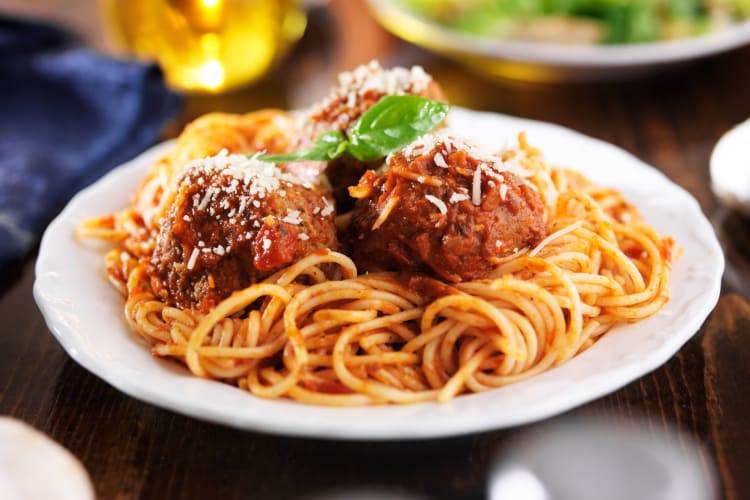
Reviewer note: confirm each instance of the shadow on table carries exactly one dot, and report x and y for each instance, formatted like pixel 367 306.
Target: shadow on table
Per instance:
pixel 733 231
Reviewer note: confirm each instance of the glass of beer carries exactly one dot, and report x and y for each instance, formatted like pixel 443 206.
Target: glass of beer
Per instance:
pixel 206 45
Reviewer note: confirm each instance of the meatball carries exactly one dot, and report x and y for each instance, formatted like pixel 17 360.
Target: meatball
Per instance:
pixel 444 208
pixel 233 222
pixel 360 89
pixel 357 91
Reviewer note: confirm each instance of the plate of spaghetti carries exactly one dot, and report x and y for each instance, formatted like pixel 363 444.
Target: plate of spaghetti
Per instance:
pixel 377 267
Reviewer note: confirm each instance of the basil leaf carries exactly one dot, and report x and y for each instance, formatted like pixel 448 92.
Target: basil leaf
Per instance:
pixel 392 124
pixel 328 146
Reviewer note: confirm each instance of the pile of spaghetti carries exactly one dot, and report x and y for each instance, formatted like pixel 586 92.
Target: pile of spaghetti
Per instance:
pixel 321 331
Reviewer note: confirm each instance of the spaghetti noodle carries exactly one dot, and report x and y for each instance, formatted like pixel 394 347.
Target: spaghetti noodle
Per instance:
pixel 321 333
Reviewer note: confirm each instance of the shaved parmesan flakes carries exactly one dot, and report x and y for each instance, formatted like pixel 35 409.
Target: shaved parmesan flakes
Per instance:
pixel 438 203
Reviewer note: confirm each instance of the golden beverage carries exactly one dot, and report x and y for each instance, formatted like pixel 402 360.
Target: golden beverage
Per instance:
pixel 206 45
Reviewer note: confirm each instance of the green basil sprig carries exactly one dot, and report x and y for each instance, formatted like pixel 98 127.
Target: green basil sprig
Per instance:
pixel 390 125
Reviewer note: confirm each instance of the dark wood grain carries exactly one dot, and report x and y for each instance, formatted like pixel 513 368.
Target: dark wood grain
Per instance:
pixel 134 450
pixel 726 345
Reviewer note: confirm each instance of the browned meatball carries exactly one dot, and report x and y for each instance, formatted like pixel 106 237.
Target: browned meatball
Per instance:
pixel 360 89
pixel 357 91
pixel 234 221
pixel 444 208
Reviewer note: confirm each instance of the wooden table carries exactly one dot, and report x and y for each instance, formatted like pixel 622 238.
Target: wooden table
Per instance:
pixel 671 121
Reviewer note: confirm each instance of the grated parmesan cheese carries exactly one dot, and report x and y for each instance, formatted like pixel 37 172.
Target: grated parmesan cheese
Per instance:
pixel 328 209
pixel 439 160
pixel 438 203
pixel 476 186
pixel 243 205
pixel 259 176
pixel 456 197
pixel 292 217
pixel 442 143
pixel 353 86
pixel 193 258
pixel 210 192
pixel 372 77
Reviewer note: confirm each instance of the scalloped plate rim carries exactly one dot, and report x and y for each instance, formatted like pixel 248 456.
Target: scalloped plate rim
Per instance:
pixel 168 385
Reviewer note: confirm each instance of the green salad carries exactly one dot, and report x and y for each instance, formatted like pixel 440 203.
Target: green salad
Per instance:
pixel 584 21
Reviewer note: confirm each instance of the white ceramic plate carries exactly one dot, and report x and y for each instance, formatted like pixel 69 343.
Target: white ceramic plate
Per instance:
pixel 552 61
pixel 86 314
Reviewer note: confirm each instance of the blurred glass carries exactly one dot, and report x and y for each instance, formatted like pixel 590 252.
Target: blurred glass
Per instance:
pixel 206 45
pixel 611 458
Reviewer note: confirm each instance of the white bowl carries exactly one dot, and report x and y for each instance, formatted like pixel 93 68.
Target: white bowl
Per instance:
pixel 549 61
pixel 730 168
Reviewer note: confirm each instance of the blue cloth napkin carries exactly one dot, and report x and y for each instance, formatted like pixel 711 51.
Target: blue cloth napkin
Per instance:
pixel 67 116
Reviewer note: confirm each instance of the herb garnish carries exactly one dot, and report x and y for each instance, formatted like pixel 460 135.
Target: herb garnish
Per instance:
pixel 390 125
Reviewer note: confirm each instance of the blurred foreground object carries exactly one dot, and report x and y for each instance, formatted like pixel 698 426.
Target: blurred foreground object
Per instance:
pixel 730 168
pixel 34 467
pixel 617 461
pixel 68 116
pixel 633 41
pixel 206 45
